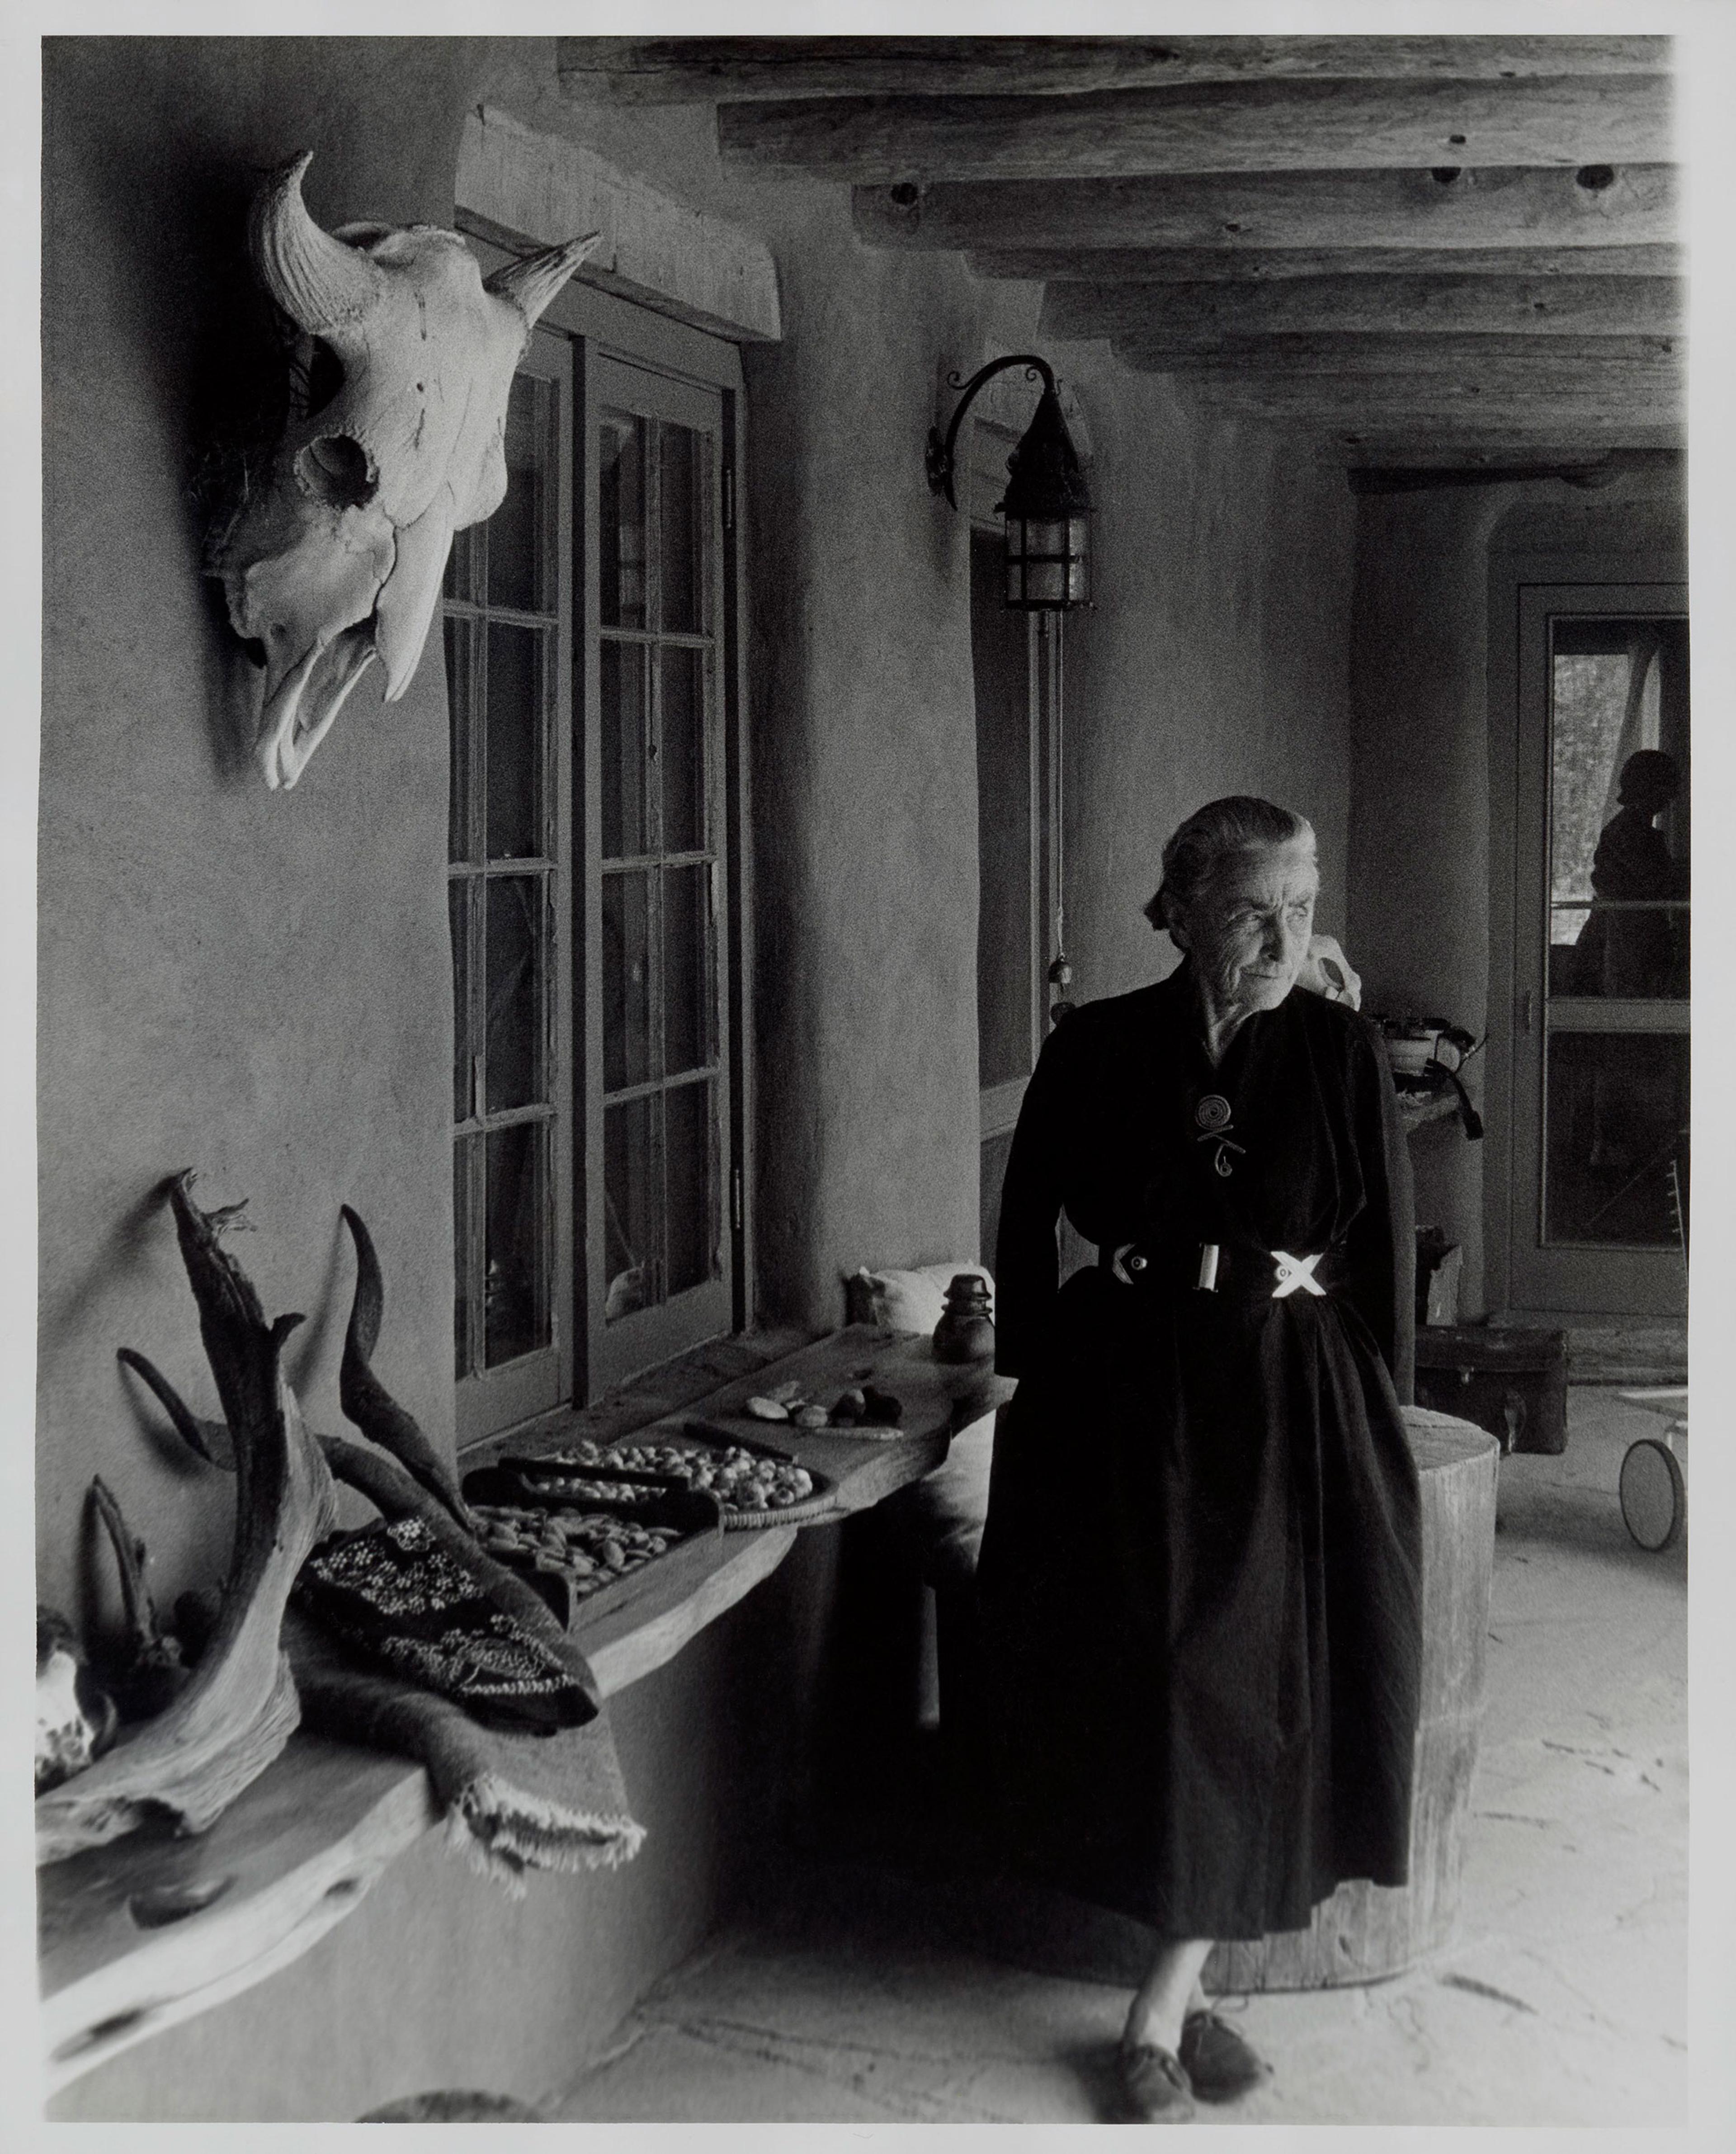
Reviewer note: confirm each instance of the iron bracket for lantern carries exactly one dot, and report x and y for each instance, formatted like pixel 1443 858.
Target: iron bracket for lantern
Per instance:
pixel 1046 503
pixel 939 458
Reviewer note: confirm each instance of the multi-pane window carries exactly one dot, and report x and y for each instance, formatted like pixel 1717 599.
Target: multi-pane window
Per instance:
pixel 588 653
pixel 659 842
pixel 506 617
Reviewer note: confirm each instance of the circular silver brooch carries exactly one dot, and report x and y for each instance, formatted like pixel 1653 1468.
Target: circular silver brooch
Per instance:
pixel 1212 1112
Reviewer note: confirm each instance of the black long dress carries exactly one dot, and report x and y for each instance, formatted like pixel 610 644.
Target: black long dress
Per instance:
pixel 1200 1577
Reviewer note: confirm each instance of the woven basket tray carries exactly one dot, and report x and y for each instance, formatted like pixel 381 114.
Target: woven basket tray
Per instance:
pixel 687 1512
pixel 704 1435
pixel 823 1503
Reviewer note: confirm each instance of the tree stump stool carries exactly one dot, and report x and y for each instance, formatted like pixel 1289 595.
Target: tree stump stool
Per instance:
pixel 1365 1931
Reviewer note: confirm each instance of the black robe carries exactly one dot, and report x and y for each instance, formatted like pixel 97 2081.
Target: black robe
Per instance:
pixel 1200 1577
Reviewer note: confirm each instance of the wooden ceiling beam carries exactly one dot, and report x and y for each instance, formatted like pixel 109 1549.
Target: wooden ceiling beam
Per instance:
pixel 1283 126
pixel 1636 447
pixel 1582 463
pixel 1428 403
pixel 1425 401
pixel 1557 394
pixel 1196 315
pixel 706 71
pixel 1482 358
pixel 1206 265
pixel 1505 206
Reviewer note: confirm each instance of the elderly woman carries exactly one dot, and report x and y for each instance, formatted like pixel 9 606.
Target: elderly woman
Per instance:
pixel 1200 1574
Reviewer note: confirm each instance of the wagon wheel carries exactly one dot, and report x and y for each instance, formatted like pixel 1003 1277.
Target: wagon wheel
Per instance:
pixel 1654 1496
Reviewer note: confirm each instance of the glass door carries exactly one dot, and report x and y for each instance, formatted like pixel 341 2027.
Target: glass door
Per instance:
pixel 1600 1061
pixel 507 624
pixel 656 1025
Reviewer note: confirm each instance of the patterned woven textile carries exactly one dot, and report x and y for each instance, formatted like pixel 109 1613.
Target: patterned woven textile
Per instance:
pixel 514 1802
pixel 416 1604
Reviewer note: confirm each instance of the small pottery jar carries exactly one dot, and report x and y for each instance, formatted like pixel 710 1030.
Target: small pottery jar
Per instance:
pixel 966 1330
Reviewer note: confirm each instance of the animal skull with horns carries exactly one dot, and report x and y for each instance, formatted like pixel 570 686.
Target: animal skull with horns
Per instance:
pixel 339 558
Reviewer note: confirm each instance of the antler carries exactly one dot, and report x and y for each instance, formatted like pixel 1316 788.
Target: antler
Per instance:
pixel 240 1706
pixel 152 1673
pixel 209 1440
pixel 366 1401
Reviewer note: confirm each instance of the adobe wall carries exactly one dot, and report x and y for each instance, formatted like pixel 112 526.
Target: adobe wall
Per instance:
pixel 258 985
pixel 252 984
pixel 1425 816
pixel 1215 662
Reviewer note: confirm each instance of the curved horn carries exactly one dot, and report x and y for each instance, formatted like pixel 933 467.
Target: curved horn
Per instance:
pixel 318 281
pixel 209 1440
pixel 529 285
pixel 366 1400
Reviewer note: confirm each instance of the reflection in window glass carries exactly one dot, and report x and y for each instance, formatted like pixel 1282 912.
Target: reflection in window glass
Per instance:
pixel 682 749
pixel 1619 773
pixel 626 981
pixel 628 1208
pixel 689 1176
pixel 515 1297
pixel 680 472
pixel 518 570
pixel 517 734
pixel 1616 1121
pixel 515 1026
pixel 621 504
pixel 623 749
pixel 687 988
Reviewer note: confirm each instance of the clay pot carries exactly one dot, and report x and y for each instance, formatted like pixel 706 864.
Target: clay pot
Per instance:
pixel 966 1330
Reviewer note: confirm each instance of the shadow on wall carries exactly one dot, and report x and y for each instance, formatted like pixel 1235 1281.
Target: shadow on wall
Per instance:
pixel 181 318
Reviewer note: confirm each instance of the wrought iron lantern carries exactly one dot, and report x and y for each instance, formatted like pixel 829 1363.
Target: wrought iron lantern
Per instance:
pixel 1047 507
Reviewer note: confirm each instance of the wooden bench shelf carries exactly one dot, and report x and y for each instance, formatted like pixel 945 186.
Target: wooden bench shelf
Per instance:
pixel 301 1847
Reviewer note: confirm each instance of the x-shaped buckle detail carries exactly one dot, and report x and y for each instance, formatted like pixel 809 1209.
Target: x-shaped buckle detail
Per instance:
pixel 1294 1272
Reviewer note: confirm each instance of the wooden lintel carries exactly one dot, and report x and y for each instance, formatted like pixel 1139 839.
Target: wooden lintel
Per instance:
pixel 1613 359
pixel 1214 265
pixel 1200 315
pixel 1634 205
pixel 1283 126
pixel 679 261
pixel 687 70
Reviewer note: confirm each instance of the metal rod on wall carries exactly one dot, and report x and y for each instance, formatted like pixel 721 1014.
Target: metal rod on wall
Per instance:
pixel 1060 972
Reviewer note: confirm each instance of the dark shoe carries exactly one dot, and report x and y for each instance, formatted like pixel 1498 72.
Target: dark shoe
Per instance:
pixel 1153 2087
pixel 1219 2065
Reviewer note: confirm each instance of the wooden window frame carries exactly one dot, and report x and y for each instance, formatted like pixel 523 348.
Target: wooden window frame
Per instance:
pixel 1637 1282
pixel 518 1390
pixel 596 326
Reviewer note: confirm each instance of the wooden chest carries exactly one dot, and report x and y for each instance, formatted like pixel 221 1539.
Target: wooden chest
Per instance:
pixel 1512 1383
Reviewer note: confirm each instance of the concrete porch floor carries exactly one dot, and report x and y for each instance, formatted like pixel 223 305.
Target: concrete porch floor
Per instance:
pixel 866 1995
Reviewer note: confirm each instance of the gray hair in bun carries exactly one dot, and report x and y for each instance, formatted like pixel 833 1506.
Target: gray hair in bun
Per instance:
pixel 1211 834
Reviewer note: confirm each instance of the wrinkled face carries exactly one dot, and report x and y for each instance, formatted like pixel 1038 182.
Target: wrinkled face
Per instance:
pixel 1248 930
pixel 338 560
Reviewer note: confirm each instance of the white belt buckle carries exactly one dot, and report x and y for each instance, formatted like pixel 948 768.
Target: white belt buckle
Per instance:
pixel 1126 1262
pixel 1294 1272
